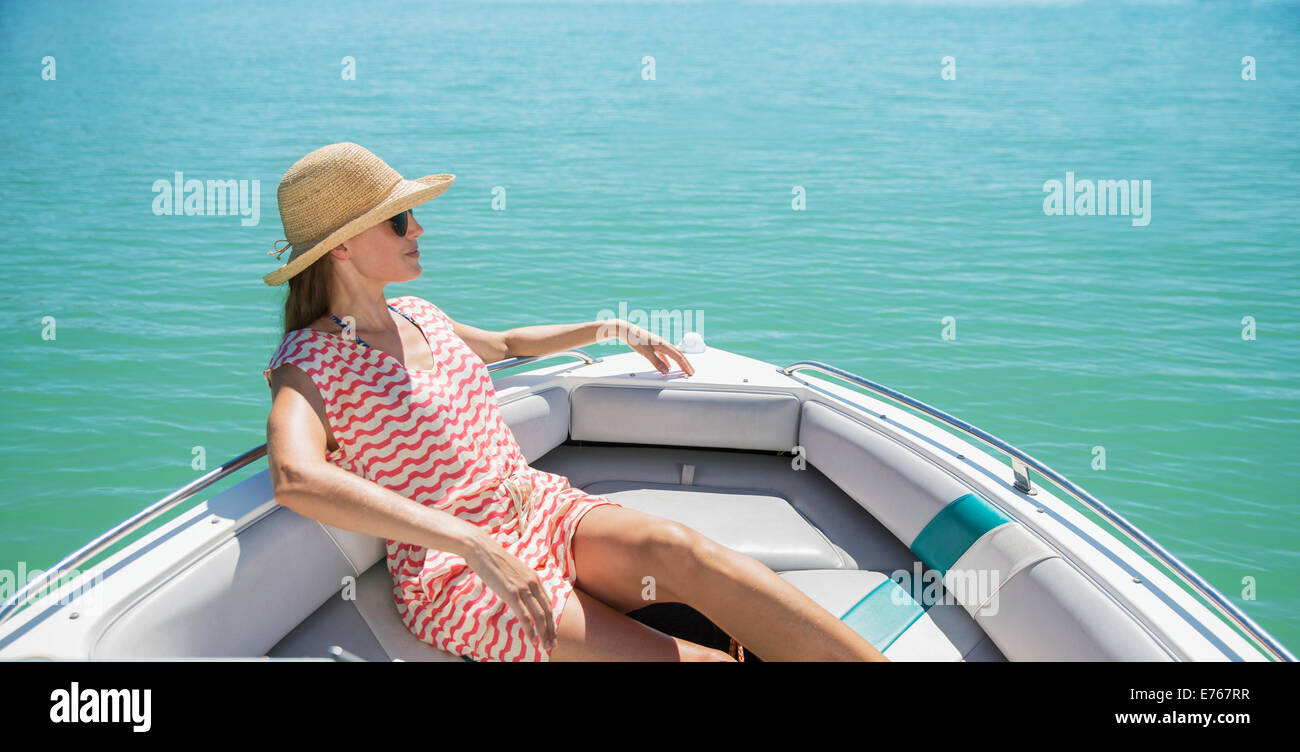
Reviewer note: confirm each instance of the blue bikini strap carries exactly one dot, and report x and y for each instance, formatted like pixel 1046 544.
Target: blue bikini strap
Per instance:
pixel 390 305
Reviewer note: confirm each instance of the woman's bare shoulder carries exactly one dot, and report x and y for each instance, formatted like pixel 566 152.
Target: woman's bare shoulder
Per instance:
pixel 324 324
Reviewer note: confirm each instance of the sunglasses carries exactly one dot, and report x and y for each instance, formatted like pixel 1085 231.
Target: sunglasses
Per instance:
pixel 400 222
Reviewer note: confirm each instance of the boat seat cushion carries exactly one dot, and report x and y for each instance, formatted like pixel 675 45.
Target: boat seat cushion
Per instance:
pixel 221 604
pixel 880 610
pixel 753 522
pixel 1020 591
pixel 896 485
pixel 674 416
pixel 539 422
pixel 363 620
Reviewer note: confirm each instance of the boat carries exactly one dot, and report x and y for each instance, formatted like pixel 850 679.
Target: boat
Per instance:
pixel 930 537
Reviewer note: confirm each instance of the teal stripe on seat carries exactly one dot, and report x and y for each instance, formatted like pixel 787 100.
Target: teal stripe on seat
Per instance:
pixel 879 619
pixel 959 524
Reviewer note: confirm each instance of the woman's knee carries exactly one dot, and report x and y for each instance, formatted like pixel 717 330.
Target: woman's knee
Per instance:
pixel 677 549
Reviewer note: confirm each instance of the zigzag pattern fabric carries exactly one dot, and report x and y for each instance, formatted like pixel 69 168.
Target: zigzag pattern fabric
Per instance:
pixel 437 437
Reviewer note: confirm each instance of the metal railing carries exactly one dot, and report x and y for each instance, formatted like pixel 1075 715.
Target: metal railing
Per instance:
pixel 1021 464
pixel 151 512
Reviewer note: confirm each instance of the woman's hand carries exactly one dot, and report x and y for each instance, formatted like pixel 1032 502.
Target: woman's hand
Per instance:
pixel 652 346
pixel 516 584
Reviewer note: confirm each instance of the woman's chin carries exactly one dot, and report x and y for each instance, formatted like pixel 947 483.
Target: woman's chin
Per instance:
pixel 414 274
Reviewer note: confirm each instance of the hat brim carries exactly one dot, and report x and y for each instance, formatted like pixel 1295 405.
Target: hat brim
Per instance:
pixel 407 194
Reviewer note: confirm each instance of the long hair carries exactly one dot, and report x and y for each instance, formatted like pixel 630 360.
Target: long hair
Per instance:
pixel 309 294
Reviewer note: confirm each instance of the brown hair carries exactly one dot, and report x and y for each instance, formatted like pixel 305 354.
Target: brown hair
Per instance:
pixel 309 294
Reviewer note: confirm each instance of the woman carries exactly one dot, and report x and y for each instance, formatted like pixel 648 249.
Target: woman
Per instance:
pixel 377 402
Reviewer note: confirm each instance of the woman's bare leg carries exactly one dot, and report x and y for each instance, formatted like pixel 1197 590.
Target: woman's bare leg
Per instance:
pixel 616 549
pixel 592 631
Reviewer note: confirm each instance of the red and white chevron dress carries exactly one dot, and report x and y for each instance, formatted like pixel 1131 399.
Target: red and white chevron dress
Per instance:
pixel 437 437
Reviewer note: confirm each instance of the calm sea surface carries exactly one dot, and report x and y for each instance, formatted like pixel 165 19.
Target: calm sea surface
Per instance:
pixel 923 196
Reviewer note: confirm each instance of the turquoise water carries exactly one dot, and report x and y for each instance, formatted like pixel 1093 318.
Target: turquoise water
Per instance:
pixel 924 200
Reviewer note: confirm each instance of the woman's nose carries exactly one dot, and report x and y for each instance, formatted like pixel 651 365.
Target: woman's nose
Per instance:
pixel 416 229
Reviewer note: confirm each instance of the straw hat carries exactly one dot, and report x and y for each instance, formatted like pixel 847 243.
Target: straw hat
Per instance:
pixel 335 193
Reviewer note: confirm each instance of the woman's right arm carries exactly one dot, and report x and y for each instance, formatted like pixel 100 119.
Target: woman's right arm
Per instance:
pixel 304 481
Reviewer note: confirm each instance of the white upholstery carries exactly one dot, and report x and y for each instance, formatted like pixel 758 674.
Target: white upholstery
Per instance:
pixel 684 417
pixel 1049 612
pixel 366 625
pixel 224 604
pixel 944 633
pixel 860 541
pixel 539 422
pixel 752 522
pixel 991 561
pixel 275 587
pixel 375 602
pixel 361 550
pixel 1045 609
pixel 897 486
pixel 336 622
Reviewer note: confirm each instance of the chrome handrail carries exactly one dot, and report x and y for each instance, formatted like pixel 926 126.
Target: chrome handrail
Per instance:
pixel 512 362
pixel 1022 462
pixel 151 512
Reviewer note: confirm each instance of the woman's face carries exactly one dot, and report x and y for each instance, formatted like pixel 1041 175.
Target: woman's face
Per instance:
pixel 383 256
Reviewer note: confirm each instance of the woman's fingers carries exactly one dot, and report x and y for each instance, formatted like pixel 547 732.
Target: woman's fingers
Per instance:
pixel 525 614
pixel 534 611
pixel 547 617
pixel 681 359
pixel 534 617
pixel 653 355
pixel 520 588
pixel 651 345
